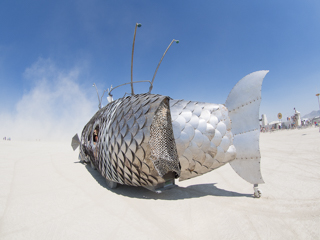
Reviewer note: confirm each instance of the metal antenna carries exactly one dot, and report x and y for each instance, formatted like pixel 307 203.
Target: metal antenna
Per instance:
pixel 111 89
pixel 151 86
pixel 99 99
pixel 134 39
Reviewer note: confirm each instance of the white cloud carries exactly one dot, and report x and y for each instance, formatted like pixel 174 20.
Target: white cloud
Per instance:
pixel 55 108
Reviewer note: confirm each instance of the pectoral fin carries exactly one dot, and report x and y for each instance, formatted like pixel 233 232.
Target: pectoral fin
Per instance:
pixel 75 142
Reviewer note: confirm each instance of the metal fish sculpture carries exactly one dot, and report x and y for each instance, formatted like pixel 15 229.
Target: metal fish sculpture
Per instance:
pixel 149 140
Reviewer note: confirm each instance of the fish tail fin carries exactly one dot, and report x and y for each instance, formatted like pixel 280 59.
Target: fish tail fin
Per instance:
pixel 243 104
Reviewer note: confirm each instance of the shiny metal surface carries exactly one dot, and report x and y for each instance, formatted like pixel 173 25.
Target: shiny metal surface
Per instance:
pixel 144 137
pixel 243 103
pixel 75 142
pixel 210 135
pixel 135 141
pixel 202 126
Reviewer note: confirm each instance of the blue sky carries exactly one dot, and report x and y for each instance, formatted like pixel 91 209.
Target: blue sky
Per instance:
pixel 51 52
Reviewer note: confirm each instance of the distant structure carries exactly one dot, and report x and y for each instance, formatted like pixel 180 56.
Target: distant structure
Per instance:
pixel 297 118
pixel 264 120
pixel 295 121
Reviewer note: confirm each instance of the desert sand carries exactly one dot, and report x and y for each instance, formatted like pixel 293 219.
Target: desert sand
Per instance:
pixel 45 193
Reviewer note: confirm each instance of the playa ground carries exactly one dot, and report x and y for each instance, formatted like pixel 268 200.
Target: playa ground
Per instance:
pixel 45 193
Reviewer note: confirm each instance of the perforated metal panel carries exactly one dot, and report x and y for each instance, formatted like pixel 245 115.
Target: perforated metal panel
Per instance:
pixel 163 148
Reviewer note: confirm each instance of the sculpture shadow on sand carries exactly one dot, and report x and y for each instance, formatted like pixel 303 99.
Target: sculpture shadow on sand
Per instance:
pixel 175 193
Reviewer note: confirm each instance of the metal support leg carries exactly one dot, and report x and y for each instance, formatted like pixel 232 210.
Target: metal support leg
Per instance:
pixel 111 184
pixel 257 192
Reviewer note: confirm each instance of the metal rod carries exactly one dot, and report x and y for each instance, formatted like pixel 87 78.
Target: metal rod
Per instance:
pixel 154 75
pixel 111 89
pixel 102 95
pixel 94 85
pixel 99 99
pixel 134 39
